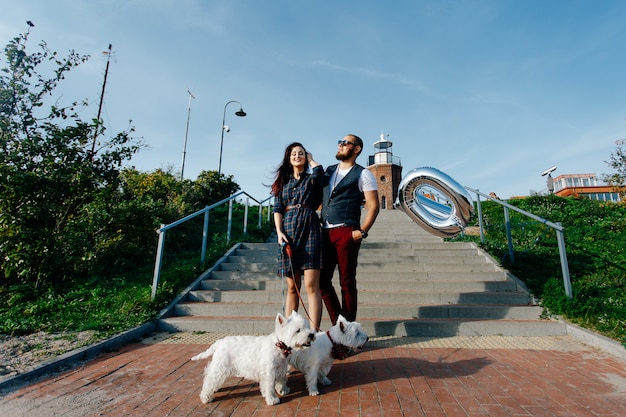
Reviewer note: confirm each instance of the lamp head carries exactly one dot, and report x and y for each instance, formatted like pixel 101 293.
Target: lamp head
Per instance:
pixel 240 113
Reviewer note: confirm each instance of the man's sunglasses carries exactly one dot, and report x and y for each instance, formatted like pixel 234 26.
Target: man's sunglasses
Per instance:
pixel 346 143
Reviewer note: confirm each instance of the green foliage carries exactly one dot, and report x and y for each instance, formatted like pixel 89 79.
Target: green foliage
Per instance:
pixel 617 162
pixel 52 180
pixel 213 187
pixel 595 240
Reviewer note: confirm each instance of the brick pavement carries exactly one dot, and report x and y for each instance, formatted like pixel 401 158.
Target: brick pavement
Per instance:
pixel 482 376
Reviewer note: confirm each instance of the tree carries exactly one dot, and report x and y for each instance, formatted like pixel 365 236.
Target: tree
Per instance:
pixel 618 163
pixel 55 192
pixel 215 187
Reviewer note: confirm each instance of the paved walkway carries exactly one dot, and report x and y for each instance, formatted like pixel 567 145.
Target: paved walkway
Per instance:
pixel 460 376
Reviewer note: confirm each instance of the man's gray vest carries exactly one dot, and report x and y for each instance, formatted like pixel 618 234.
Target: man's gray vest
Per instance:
pixel 343 204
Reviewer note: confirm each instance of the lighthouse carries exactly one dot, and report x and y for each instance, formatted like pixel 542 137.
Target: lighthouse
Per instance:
pixel 387 170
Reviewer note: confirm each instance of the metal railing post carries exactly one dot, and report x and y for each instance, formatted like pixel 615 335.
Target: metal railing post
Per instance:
pixel 480 218
pixel 245 217
pixel 205 235
pixel 509 238
pixel 158 262
pixel 564 266
pixel 260 215
pixel 230 220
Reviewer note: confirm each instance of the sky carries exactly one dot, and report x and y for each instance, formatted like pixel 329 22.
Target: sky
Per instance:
pixel 491 92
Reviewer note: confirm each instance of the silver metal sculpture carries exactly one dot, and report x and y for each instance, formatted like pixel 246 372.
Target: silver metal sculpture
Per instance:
pixel 436 202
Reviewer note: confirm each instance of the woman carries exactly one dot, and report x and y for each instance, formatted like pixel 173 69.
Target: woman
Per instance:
pixel 297 194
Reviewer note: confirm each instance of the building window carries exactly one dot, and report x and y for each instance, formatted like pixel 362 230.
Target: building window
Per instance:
pixel 614 197
pixel 383 178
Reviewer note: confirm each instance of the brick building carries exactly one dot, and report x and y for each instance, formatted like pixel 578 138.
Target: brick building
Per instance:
pixel 387 170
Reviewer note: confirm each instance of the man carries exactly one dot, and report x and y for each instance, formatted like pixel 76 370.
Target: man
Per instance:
pixel 347 185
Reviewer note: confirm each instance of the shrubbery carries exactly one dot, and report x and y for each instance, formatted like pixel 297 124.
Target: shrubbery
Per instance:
pixel 595 238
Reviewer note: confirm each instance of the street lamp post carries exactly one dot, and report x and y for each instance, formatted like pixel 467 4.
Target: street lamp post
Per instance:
pixel 182 167
pixel 225 128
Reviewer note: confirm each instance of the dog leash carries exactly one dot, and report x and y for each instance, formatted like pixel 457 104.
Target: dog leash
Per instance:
pixel 282 274
pixel 287 249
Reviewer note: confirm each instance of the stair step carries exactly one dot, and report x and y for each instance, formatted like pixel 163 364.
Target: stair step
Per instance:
pixel 369 275
pixel 369 266
pixel 269 308
pixel 371 285
pixel 382 255
pixel 376 327
pixel 448 328
pixel 374 297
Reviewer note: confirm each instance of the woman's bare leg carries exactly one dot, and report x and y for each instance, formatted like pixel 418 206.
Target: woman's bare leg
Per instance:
pixel 291 298
pixel 314 296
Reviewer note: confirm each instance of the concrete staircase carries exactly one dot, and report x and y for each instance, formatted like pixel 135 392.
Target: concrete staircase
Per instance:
pixel 410 284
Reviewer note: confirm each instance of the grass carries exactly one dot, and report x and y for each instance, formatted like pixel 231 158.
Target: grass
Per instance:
pixel 104 306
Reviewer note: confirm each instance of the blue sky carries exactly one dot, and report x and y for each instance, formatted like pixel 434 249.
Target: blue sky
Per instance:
pixel 491 92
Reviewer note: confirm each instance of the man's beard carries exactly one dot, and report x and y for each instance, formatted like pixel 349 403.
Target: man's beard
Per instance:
pixel 344 157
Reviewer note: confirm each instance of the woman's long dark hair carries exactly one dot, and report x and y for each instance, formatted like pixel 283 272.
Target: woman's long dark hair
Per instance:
pixel 284 170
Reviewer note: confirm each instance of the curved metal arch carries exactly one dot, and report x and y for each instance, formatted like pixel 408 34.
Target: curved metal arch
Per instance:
pixel 435 201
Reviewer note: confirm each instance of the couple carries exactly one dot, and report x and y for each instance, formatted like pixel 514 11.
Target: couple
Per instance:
pixel 318 248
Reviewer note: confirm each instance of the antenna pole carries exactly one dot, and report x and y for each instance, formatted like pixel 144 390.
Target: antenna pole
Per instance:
pixel 104 84
pixel 182 167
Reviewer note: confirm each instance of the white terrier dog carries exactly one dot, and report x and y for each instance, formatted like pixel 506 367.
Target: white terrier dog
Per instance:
pixel 316 361
pixel 258 358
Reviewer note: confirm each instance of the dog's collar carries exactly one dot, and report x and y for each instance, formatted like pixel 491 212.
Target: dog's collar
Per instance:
pixel 286 350
pixel 338 351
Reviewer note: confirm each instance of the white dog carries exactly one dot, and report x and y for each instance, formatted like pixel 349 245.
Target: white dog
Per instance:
pixel 258 358
pixel 316 361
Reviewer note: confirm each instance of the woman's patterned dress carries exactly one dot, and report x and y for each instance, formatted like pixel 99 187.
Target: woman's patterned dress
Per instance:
pixel 298 204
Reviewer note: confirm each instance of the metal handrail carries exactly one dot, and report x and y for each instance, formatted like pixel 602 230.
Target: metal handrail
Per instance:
pixel 205 229
pixel 556 226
